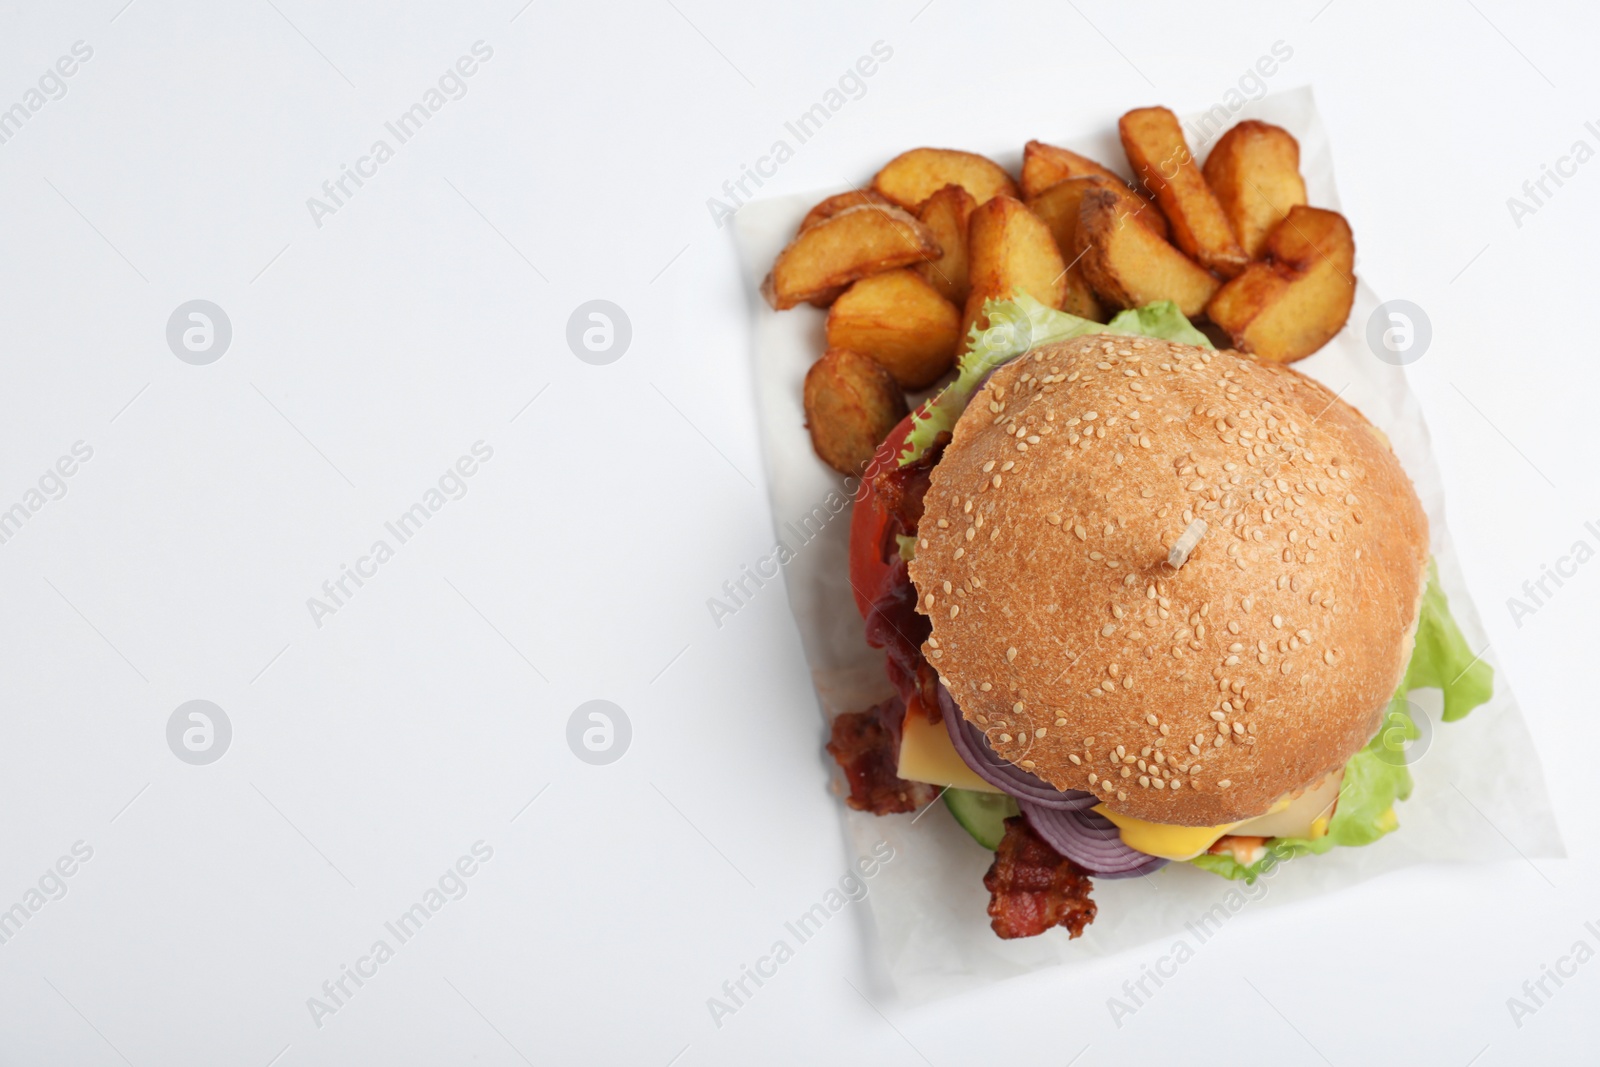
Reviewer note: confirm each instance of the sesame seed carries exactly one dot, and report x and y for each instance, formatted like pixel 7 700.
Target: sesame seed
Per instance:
pixel 1073 756
pixel 1083 535
pixel 1108 629
pixel 1093 778
pixel 1041 731
pixel 955 609
pixel 1011 654
pixel 1218 716
pixel 1121 795
pixel 1224 783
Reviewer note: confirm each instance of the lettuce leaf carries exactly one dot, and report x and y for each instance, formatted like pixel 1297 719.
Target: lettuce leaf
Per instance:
pixel 1016 326
pixel 1377 776
pixel 1443 660
pixel 1162 320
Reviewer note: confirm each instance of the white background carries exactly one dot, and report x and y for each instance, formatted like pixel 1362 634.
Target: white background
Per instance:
pixel 368 354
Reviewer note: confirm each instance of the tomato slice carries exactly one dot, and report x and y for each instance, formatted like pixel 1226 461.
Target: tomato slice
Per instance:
pixel 868 522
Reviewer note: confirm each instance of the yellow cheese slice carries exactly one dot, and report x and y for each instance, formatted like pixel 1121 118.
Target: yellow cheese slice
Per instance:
pixel 1162 839
pixel 1305 816
pixel 927 755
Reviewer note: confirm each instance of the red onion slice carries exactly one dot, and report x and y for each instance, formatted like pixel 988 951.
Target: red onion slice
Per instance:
pixel 1090 840
pixel 974 749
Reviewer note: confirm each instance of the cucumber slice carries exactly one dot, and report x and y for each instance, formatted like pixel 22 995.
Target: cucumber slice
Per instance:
pixel 983 815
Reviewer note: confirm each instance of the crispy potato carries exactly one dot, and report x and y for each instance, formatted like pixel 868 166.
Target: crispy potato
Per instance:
pixel 1160 158
pixel 1057 207
pixel 1011 250
pixel 1255 172
pixel 945 213
pixel 856 242
pixel 899 319
pixel 1128 266
pixel 851 405
pixel 1044 165
pixel 1292 303
pixel 911 177
pixel 837 203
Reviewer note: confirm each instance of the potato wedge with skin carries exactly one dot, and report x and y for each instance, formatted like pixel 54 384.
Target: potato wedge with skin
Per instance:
pixel 1011 250
pixel 1255 172
pixel 1045 164
pixel 1058 207
pixel 1295 300
pixel 1128 266
pixel 911 177
pixel 851 405
pixel 1161 159
pixel 946 214
pixel 830 207
pixel 856 242
pixel 899 320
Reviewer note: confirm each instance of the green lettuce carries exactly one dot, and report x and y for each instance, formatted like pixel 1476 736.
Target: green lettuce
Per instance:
pixel 1015 327
pixel 1162 320
pixel 1443 660
pixel 1377 776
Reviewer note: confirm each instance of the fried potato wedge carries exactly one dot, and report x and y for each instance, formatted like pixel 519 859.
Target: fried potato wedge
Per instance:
pixel 1295 300
pixel 1058 208
pixel 1128 266
pixel 946 213
pixel 1161 159
pixel 851 405
pixel 1255 172
pixel 830 207
pixel 1044 165
pixel 898 319
pixel 911 177
pixel 856 242
pixel 1010 250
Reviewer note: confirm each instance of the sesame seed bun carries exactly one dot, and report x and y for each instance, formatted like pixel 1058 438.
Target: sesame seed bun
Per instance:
pixel 1261 664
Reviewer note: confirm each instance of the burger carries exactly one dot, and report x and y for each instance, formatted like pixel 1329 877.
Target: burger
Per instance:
pixel 1142 602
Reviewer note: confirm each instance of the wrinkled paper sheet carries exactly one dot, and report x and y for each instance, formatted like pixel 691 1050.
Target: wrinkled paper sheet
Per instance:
pixel 1478 782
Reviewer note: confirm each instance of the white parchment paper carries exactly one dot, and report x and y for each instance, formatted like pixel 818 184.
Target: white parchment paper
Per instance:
pixel 1479 788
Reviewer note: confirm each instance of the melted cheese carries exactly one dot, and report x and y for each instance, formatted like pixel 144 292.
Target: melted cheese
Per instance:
pixel 927 755
pixel 1304 816
pixel 1163 839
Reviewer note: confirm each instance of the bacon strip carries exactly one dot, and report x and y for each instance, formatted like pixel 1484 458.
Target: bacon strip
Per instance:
pixel 900 489
pixel 868 752
pixel 1032 887
pixel 895 625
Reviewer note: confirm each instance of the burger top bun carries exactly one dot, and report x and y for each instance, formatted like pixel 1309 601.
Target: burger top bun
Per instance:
pixel 1195 695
